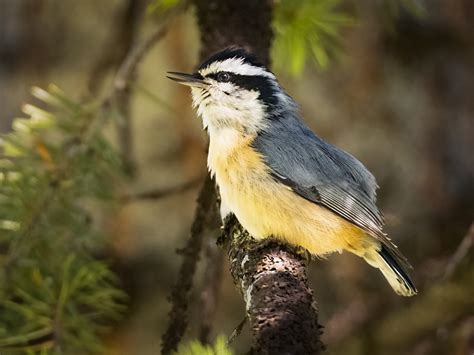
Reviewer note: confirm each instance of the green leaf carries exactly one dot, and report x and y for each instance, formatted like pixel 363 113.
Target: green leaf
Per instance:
pixel 48 282
pixel 307 29
pixel 157 6
pixel 197 348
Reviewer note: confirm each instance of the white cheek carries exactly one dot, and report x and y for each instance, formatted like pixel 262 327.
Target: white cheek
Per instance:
pixel 242 109
pixel 222 94
pixel 225 87
pixel 224 105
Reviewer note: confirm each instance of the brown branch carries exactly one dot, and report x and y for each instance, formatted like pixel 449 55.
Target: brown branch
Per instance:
pixel 213 17
pixel 122 43
pixel 460 253
pixel 157 194
pixel 121 91
pixel 279 302
pixel 270 276
pixel 119 44
pixel 122 98
pixel 204 223
pixel 127 69
pixel 245 23
pixel 237 330
pixel 210 293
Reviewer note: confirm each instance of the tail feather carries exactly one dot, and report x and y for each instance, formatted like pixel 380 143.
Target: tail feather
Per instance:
pixel 391 267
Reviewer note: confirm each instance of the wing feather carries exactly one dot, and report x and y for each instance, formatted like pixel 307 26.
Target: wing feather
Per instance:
pixel 321 173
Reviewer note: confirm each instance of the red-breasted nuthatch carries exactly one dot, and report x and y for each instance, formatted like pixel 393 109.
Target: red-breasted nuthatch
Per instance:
pixel 278 177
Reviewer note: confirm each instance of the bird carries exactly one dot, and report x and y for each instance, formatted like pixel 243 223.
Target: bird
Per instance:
pixel 277 176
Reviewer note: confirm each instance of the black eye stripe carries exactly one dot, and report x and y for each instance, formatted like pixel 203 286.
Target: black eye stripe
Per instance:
pixel 198 75
pixel 222 76
pixel 262 84
pixel 259 83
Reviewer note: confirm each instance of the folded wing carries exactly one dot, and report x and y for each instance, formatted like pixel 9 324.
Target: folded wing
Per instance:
pixel 323 174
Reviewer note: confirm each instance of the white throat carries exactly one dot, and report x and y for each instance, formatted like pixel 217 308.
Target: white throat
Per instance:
pixel 242 111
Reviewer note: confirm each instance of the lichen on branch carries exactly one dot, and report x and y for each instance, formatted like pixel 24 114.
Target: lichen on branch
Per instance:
pixel 279 302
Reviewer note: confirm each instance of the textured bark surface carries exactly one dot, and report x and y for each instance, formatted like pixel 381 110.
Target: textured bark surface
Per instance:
pixel 245 23
pixel 206 220
pixel 279 302
pixel 270 276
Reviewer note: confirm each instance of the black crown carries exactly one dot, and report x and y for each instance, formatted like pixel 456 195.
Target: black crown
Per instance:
pixel 232 52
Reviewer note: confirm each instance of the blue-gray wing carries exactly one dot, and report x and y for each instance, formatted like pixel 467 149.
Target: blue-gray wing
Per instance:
pixel 321 173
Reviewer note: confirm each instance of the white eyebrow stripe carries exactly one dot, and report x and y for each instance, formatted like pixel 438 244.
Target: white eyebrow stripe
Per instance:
pixel 237 66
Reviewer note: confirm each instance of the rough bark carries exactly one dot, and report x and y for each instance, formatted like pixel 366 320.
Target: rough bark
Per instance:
pixel 279 302
pixel 206 219
pixel 270 276
pixel 244 23
pixel 209 299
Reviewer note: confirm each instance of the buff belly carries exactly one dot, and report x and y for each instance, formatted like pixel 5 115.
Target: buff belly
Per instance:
pixel 267 208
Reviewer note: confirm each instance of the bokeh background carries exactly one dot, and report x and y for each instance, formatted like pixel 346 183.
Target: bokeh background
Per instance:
pixel 400 97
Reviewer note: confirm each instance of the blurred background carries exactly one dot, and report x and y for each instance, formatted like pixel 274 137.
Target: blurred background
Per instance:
pixel 399 97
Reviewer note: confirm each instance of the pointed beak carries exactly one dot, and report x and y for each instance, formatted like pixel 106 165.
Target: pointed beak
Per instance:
pixel 193 80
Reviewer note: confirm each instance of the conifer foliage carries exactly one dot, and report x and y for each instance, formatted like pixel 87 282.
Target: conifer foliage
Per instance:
pixel 54 297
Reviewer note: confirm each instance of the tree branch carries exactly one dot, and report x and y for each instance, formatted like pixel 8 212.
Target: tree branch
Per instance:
pixel 125 75
pixel 127 69
pixel 244 23
pixel 210 293
pixel 157 194
pixel 460 253
pixel 121 90
pixel 270 276
pixel 204 221
pixel 279 303
pixel 119 43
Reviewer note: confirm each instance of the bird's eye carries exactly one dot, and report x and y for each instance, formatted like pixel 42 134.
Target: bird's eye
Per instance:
pixel 224 77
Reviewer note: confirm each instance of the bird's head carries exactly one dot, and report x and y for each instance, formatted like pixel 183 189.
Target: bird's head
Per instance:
pixel 232 89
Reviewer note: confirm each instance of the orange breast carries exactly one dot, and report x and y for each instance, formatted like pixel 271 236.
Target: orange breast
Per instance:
pixel 266 207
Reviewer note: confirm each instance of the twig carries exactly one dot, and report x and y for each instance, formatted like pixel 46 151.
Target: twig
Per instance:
pixel 236 332
pixel 204 221
pixel 460 253
pixel 128 67
pixel 151 96
pixel 126 31
pixel 121 90
pixel 161 193
pixel 120 43
pixel 124 130
pixel 210 293
pixel 121 95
